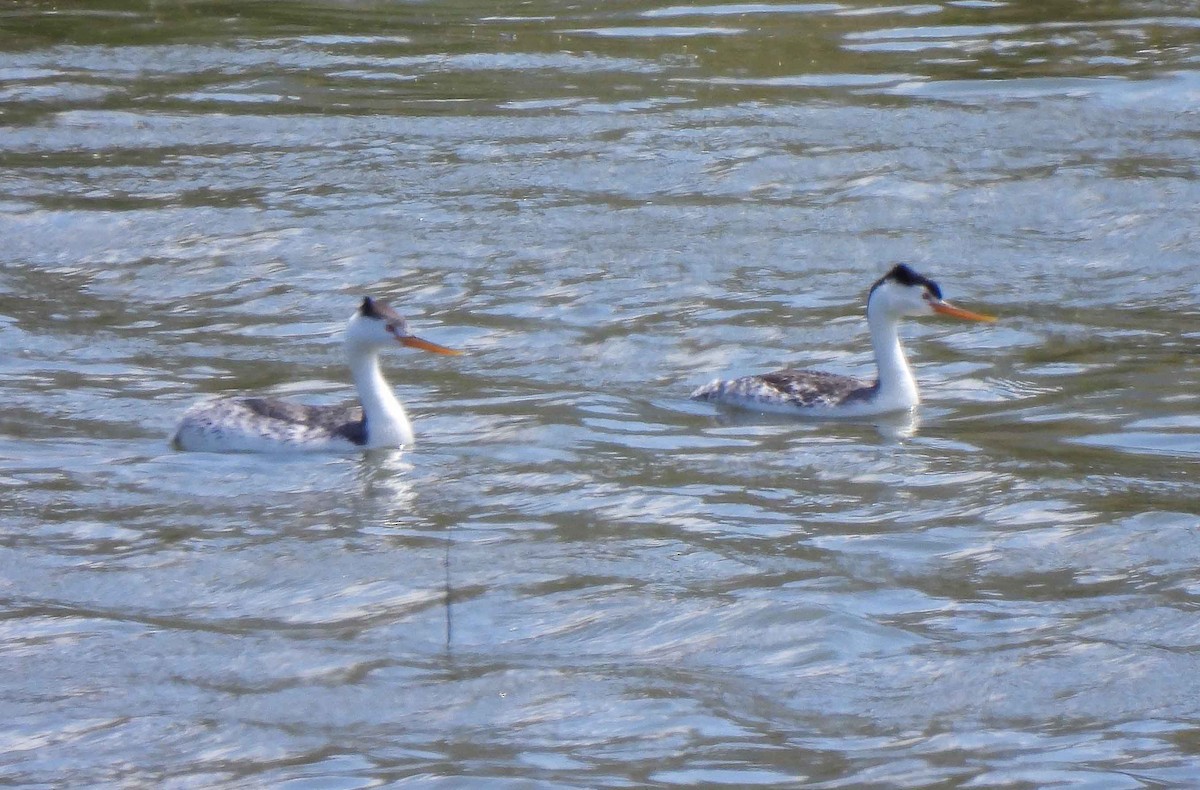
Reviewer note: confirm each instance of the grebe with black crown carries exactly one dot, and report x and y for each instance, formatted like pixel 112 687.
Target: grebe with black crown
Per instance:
pixel 274 425
pixel 898 294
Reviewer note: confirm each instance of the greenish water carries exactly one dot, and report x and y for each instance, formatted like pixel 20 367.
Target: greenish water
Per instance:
pixel 580 578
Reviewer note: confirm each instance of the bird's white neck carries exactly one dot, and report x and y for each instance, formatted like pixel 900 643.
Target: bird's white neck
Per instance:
pixel 387 423
pixel 896 382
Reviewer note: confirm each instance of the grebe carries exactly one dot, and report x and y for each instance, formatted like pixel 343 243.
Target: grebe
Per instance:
pixel 274 425
pixel 899 293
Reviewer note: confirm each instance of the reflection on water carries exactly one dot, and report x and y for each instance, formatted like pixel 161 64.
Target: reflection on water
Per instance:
pixel 578 576
pixel 892 427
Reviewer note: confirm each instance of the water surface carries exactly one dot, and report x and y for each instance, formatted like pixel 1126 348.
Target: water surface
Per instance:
pixel 580 578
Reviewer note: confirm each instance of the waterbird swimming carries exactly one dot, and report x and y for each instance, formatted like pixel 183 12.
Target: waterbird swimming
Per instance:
pixel 275 425
pixel 898 294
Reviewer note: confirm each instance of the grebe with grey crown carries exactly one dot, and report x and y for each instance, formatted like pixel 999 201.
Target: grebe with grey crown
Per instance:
pixel 274 425
pixel 898 294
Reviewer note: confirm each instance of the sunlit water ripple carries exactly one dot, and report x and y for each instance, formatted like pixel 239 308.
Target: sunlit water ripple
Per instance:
pixel 580 577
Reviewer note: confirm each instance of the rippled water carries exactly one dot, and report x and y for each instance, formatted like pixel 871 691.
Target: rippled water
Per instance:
pixel 579 577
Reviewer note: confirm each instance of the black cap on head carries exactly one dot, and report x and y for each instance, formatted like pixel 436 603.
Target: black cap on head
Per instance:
pixel 901 273
pixel 373 308
pixel 367 308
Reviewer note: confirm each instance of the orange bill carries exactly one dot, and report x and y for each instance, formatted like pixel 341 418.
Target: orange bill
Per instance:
pixel 945 308
pixel 416 342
